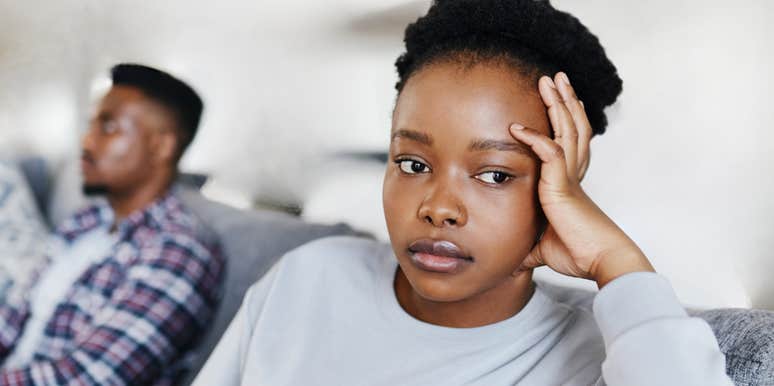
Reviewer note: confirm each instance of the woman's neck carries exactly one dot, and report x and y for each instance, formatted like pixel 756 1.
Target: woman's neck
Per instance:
pixel 491 306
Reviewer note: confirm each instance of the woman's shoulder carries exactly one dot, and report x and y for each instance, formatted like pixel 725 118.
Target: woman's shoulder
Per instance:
pixel 576 298
pixel 347 252
pixel 344 246
pixel 580 347
pixel 329 269
pixel 337 260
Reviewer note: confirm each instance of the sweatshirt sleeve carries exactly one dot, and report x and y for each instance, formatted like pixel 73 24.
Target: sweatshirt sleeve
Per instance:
pixel 225 365
pixel 651 340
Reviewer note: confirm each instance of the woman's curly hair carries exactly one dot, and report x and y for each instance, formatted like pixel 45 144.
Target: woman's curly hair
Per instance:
pixel 529 34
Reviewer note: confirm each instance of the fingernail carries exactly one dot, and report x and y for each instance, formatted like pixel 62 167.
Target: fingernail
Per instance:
pixel 551 82
pixel 516 126
pixel 564 78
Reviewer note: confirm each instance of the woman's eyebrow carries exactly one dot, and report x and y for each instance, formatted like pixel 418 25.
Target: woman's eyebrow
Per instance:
pixel 412 135
pixel 493 144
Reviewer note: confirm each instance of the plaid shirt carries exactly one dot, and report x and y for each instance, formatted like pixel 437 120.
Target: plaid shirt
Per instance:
pixel 129 318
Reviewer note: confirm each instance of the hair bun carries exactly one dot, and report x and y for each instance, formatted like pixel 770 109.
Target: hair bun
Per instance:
pixel 531 31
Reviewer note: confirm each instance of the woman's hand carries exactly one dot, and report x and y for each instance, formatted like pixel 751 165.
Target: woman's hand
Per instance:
pixel 580 240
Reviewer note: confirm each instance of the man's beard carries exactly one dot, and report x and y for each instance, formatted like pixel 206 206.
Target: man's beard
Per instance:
pixel 95 190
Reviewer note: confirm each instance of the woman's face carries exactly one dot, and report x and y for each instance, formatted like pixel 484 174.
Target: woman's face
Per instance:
pixel 460 195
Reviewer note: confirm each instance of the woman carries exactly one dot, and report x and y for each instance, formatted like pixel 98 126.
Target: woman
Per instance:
pixel 487 156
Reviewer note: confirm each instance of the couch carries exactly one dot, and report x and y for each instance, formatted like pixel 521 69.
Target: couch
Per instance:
pixel 254 240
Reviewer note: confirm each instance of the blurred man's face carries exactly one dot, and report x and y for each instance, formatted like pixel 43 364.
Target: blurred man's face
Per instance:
pixel 121 149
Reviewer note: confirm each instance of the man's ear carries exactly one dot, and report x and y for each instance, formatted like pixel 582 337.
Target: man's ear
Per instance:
pixel 166 146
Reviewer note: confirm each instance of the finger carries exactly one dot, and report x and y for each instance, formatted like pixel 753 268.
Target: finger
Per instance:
pixel 565 133
pixel 554 167
pixel 533 260
pixel 579 117
pixel 584 166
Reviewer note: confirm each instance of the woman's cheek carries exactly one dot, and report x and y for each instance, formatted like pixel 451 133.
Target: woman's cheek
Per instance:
pixel 508 214
pixel 396 199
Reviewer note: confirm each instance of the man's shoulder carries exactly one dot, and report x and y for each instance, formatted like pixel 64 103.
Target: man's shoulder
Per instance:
pixel 174 241
pixel 170 222
pixel 168 236
pixel 173 216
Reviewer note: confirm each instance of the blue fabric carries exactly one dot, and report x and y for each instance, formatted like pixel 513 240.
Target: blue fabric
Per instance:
pixel 746 337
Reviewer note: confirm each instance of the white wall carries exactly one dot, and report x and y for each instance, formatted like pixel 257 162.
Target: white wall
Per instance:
pixel 685 166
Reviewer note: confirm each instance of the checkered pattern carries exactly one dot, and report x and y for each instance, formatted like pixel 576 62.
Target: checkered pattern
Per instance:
pixel 130 318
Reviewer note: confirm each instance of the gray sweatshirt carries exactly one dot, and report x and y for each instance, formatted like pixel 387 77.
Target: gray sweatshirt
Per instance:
pixel 327 314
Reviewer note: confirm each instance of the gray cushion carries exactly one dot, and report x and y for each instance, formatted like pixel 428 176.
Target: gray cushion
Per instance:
pixel 746 337
pixel 36 173
pixel 252 241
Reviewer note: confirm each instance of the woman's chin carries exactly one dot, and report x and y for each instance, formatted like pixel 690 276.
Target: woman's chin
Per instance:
pixel 437 288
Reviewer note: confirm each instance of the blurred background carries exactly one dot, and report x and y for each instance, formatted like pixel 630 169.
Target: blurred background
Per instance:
pixel 298 99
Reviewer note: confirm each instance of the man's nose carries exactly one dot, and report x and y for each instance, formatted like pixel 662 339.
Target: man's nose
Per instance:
pixel 87 140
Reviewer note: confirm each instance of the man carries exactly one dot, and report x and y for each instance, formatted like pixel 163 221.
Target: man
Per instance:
pixel 136 283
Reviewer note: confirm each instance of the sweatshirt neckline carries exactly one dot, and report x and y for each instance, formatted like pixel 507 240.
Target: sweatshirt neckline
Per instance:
pixel 534 313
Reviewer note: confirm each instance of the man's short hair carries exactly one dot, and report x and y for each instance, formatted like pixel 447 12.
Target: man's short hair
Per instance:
pixel 174 94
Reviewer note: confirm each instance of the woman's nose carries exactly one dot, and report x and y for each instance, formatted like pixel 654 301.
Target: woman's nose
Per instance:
pixel 442 208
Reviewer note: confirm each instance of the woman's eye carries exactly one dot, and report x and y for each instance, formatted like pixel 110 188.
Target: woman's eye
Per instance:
pixel 412 167
pixel 494 177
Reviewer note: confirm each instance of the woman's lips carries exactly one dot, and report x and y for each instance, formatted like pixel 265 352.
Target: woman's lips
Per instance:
pixel 438 256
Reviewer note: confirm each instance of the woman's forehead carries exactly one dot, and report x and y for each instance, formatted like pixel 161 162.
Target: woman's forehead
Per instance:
pixel 477 100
